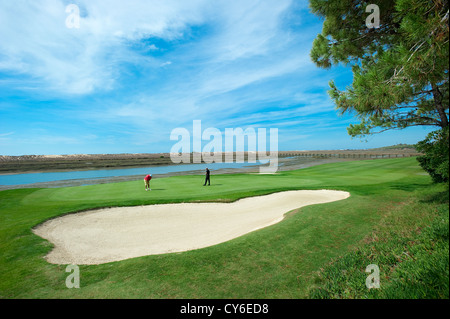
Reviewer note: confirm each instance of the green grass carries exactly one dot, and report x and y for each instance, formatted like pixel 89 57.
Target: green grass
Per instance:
pixel 410 245
pixel 392 200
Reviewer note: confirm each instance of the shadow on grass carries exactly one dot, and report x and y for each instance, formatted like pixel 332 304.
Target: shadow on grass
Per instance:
pixel 408 187
pixel 438 198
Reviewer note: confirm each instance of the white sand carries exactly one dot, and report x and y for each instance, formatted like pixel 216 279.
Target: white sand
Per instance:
pixel 112 234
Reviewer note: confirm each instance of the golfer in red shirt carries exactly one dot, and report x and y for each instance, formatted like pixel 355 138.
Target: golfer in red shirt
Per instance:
pixel 147 182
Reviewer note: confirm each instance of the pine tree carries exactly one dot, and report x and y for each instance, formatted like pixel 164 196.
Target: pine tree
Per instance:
pixel 400 67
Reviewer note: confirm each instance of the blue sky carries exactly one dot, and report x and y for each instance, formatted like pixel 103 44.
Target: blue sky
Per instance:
pixel 136 70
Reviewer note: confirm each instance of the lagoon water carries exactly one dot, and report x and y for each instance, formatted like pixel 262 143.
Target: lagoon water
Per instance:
pixel 31 178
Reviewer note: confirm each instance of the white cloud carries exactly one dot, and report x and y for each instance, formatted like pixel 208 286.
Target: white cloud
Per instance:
pixel 182 60
pixel 36 42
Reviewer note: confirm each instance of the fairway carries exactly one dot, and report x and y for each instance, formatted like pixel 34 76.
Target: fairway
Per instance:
pixel 114 234
pixel 280 261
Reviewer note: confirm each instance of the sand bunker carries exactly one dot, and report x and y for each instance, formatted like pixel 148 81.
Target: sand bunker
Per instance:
pixel 113 234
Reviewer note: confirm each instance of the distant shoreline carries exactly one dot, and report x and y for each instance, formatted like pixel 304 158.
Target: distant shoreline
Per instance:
pixel 286 163
pixel 82 162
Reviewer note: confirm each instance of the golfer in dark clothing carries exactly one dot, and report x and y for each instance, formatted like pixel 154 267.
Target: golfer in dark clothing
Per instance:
pixel 207 178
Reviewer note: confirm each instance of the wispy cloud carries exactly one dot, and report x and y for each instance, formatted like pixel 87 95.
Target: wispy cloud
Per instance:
pixel 135 70
pixel 36 41
pixel 6 134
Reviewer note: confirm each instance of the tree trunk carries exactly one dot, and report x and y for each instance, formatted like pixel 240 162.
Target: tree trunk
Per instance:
pixel 437 96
